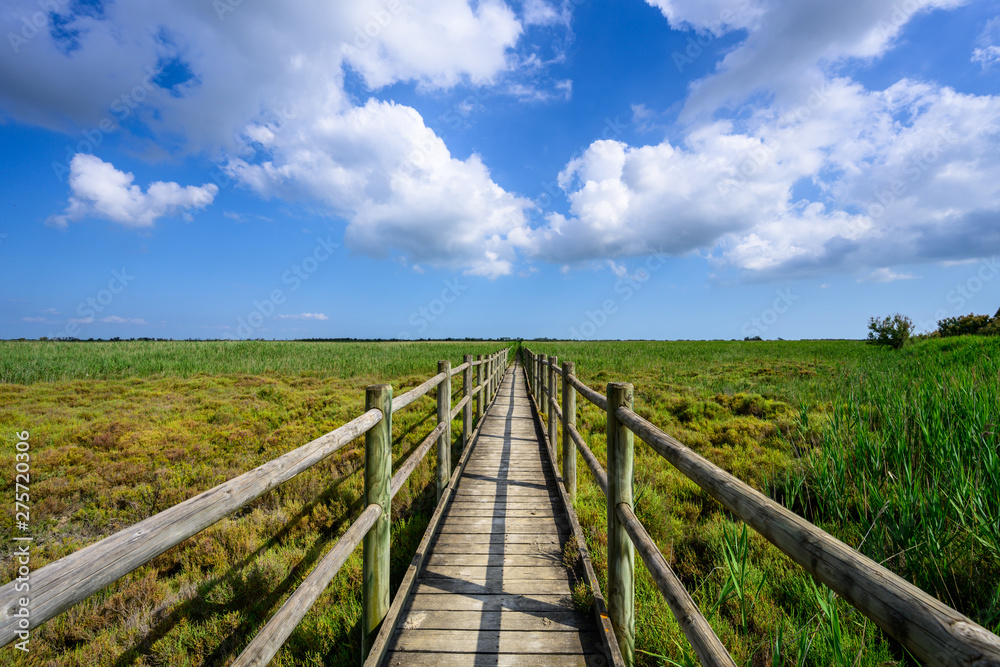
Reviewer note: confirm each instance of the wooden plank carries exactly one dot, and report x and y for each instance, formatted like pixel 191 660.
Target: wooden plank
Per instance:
pixel 477 602
pixel 500 538
pixel 550 501
pixel 468 524
pixel 505 660
pixel 494 641
pixel 548 621
pixel 483 560
pixel 548 549
pixel 433 586
pixel 484 572
pixel 502 512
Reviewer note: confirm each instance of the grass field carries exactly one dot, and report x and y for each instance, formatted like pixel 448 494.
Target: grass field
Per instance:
pixel 121 431
pixel 895 452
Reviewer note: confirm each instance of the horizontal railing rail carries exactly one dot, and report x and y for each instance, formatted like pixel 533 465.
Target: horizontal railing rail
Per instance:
pixel 60 585
pixel 931 630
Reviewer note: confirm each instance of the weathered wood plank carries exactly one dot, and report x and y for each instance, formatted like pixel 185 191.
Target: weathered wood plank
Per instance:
pixel 499 516
pixel 494 641
pixel 483 573
pixel 540 526
pixel 509 559
pixel 415 659
pixel 553 549
pixel 548 621
pixel 500 538
pixel 477 602
pixel 431 585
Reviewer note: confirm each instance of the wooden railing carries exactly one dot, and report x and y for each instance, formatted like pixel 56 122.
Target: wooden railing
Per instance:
pixel 932 631
pixel 68 581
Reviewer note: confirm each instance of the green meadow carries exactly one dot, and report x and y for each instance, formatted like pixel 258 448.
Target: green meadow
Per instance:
pixel 894 452
pixel 122 430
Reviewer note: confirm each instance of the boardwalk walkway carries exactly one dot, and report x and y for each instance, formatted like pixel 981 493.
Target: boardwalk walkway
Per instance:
pixel 494 590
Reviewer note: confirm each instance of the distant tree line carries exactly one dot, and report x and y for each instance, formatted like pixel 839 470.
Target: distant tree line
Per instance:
pixel 895 330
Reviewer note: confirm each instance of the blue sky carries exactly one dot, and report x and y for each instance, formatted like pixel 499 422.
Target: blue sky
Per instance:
pixel 668 169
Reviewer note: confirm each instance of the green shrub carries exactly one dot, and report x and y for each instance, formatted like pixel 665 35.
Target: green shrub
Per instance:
pixel 893 331
pixel 991 329
pixel 963 325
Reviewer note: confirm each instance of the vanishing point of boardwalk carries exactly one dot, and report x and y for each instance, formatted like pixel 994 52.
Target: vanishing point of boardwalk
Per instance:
pixel 494 590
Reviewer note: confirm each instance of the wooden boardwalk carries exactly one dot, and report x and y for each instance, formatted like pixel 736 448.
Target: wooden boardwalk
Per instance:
pixel 494 589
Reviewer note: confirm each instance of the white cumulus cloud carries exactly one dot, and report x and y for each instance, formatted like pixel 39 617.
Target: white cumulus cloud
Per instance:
pixel 100 190
pixel 263 87
pixel 397 185
pixel 856 180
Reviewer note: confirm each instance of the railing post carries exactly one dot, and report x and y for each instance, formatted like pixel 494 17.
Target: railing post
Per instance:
pixel 550 404
pixel 488 379
pixel 444 416
pixel 538 379
pixel 481 396
pixel 530 363
pixel 467 391
pixel 621 554
pixel 375 550
pixel 569 419
pixel 526 360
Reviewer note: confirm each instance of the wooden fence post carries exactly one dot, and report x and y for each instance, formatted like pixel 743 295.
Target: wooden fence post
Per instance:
pixel 444 416
pixel 569 419
pixel 488 386
pixel 467 391
pixel 621 553
pixel 550 405
pixel 538 380
pixel 378 474
pixel 481 396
